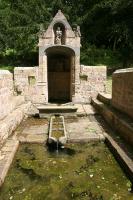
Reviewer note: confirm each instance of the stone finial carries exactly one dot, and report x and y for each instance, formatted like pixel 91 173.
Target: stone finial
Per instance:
pixel 60 15
pixel 77 31
pixel 59 11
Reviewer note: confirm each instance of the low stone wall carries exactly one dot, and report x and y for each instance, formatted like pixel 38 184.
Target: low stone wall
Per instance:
pixel 6 92
pixel 25 80
pixel 92 81
pixel 12 107
pixel 122 91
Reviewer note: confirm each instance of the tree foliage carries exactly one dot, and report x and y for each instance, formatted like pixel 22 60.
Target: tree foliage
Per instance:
pixel 104 23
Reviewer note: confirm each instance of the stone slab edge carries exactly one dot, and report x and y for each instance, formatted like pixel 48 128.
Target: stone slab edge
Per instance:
pixel 8 162
pixel 30 141
pixel 121 156
pixel 98 138
pixel 114 121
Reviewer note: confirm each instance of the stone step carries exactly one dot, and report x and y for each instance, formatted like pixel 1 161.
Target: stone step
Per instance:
pixel 45 110
pixel 116 120
pixel 104 97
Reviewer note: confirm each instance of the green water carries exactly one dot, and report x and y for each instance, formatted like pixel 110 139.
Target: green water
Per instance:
pixel 81 172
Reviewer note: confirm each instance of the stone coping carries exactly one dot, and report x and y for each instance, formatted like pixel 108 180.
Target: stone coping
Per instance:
pixel 3 71
pixel 7 155
pixel 124 160
pixel 24 68
pixel 117 120
pixel 95 66
pixel 123 70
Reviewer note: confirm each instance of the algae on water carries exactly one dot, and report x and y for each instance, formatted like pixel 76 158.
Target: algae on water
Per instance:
pixel 80 172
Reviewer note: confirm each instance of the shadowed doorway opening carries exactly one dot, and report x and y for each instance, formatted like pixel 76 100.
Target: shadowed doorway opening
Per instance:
pixel 59 75
pixel 58 78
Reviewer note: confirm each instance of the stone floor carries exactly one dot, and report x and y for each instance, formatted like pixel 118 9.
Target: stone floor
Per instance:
pixel 85 110
pixel 80 129
pixel 34 134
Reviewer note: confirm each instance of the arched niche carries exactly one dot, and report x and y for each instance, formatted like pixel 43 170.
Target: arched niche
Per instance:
pixel 60 67
pixel 59 33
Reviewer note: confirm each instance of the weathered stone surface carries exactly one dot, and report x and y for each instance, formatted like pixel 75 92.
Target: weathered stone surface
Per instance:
pixel 6 93
pixel 36 130
pixel 34 134
pixel 9 149
pixel 122 91
pixel 87 131
pixel 10 123
pixel 116 120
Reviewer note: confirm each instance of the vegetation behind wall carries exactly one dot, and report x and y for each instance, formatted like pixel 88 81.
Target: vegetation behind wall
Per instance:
pixel 106 27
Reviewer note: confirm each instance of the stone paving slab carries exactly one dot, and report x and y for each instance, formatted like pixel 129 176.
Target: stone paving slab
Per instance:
pixel 80 110
pixel 33 139
pixel 35 130
pixel 89 110
pixel 85 110
pixel 34 134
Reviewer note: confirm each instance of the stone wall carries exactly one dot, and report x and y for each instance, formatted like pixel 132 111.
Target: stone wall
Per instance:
pixel 6 92
pixel 122 91
pixel 12 107
pixel 92 81
pixel 25 80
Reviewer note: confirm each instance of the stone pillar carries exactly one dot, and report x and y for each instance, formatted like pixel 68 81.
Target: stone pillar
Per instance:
pixel 77 79
pixel 42 78
pixel 72 91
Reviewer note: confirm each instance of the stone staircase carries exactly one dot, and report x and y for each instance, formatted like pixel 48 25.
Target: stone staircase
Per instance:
pixel 117 120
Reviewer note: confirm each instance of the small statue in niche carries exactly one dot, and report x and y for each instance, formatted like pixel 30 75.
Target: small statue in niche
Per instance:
pixel 58 36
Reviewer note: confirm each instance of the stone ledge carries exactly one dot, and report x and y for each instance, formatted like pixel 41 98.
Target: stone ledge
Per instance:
pixel 104 97
pixel 13 103
pixel 121 156
pixel 10 123
pixel 116 120
pixel 8 151
pixel 92 138
pixel 123 70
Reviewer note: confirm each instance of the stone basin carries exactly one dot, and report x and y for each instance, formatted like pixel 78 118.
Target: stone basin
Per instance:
pixel 57 135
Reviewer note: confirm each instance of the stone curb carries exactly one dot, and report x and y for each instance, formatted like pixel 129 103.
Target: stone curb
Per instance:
pixel 124 127
pixel 121 156
pixel 7 163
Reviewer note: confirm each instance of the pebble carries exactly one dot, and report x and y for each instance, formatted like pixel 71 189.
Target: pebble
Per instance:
pixel 91 175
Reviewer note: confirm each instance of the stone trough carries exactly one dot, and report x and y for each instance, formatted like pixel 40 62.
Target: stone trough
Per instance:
pixel 57 131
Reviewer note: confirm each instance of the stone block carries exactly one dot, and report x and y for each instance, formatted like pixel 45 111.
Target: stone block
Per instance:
pixel 122 91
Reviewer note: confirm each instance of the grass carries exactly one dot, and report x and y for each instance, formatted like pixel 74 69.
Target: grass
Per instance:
pixel 7 67
pixel 109 84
